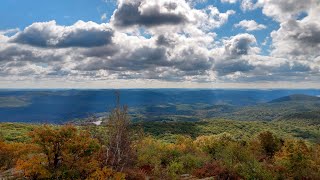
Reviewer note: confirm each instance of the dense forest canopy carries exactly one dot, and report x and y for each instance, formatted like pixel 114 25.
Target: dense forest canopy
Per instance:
pixel 120 149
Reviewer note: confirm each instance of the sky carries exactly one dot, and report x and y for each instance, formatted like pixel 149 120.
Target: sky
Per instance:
pixel 160 44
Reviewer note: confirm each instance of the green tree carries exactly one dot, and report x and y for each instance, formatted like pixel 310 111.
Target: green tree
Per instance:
pixel 270 144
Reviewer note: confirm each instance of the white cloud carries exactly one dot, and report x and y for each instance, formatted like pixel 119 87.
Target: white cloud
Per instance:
pixel 249 5
pixel 297 39
pixel 240 45
pixel 195 2
pixel 166 41
pixel 229 1
pixel 284 10
pixel 103 17
pixel 9 31
pixel 250 25
pixel 49 34
pixel 167 16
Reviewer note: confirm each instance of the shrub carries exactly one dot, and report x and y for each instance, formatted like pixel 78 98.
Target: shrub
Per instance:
pixel 296 158
pixel 174 169
pixel 135 174
pixel 216 170
pixel 106 173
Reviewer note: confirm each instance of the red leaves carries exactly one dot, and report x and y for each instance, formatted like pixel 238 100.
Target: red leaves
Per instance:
pixel 216 170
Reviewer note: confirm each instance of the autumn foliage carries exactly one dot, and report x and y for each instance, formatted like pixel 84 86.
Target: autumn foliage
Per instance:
pixel 62 152
pixel 69 152
pixel 116 152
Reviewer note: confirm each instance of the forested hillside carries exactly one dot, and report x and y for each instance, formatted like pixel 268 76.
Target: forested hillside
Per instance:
pixel 120 149
pixel 61 106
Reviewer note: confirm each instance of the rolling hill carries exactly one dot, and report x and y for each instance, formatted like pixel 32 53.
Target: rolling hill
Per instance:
pixel 296 97
pixel 60 106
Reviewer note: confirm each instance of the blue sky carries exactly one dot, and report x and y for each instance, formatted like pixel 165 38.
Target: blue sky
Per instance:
pixel 19 13
pixel 199 43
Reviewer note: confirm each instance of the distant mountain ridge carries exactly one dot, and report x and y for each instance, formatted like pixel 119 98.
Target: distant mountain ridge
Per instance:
pixel 61 106
pixel 296 97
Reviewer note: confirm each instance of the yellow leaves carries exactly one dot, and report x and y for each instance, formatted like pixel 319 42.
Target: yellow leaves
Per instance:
pixel 106 173
pixel 119 176
pixel 171 159
pixel 293 149
pixel 316 158
pixel 295 157
pixel 205 141
pixel 209 143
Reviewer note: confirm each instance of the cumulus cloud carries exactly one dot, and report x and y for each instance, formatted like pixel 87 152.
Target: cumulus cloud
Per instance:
pixel 232 61
pixel 168 41
pixel 214 17
pixel 229 1
pixel 164 41
pixel 249 5
pixel 156 58
pixel 3 38
pixel 195 2
pixel 240 45
pixel 49 34
pixel 297 38
pixel 282 10
pixel 148 13
pixel 137 60
pixel 15 53
pixel 232 66
pixel 269 68
pixel 9 31
pixel 250 25
pixel 166 15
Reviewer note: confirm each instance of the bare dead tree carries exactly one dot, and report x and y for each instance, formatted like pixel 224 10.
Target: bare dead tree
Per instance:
pixel 118 152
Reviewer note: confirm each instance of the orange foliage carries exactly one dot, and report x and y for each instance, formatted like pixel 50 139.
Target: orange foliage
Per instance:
pixel 34 166
pixel 11 152
pixel 63 152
